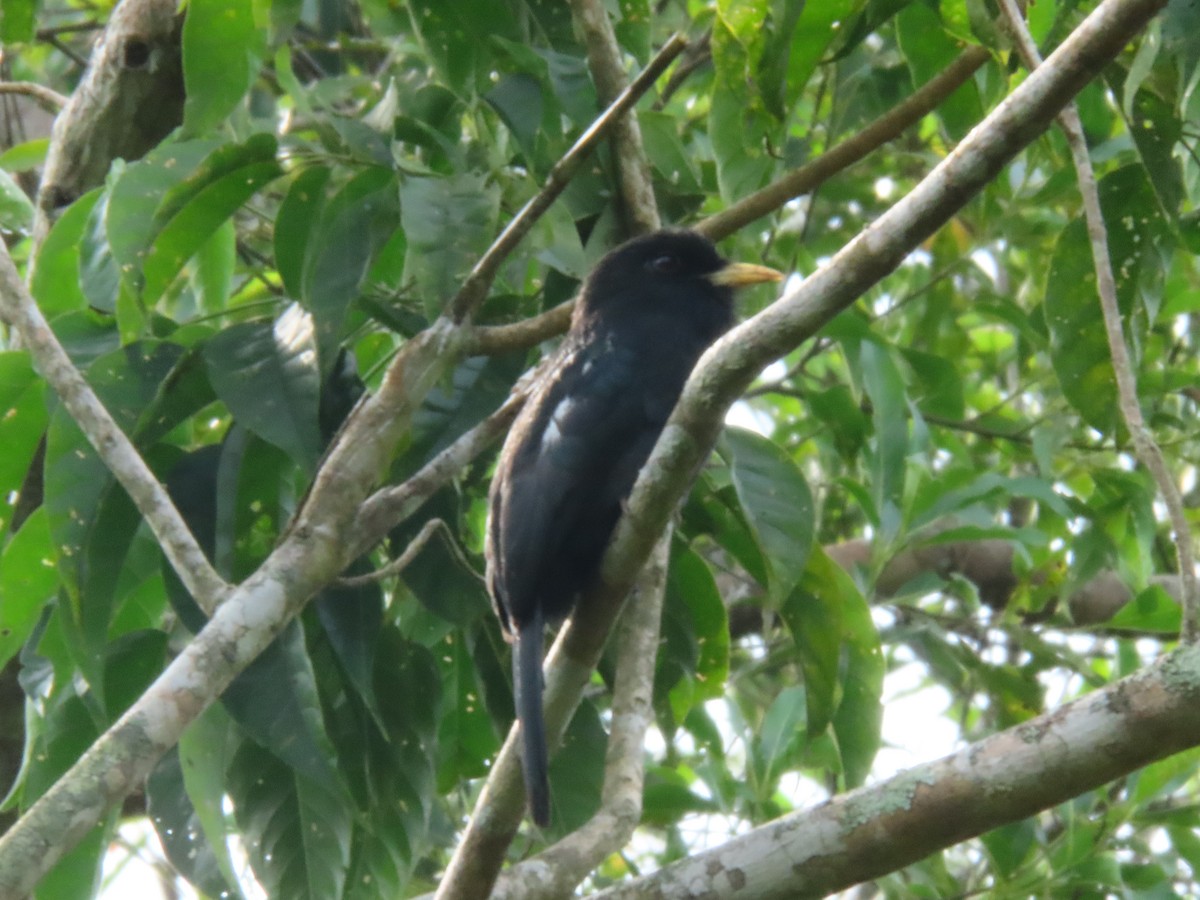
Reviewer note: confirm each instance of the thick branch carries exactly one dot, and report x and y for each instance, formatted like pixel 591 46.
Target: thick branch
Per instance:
pixel 19 310
pixel 1004 778
pixel 130 98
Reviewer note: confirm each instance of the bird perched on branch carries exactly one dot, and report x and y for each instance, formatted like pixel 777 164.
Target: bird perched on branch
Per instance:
pixel 644 316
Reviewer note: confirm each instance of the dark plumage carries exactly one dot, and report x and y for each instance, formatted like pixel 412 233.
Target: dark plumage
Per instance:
pixel 644 316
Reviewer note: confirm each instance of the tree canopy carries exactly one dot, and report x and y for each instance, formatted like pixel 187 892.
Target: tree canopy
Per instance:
pixel 303 253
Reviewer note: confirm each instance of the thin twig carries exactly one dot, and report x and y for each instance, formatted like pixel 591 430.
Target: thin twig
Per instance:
pixel 114 448
pixel 389 506
pixel 492 340
pixel 474 289
pixel 49 100
pixel 1144 444
pixel 698 54
pixel 841 156
pixel 401 562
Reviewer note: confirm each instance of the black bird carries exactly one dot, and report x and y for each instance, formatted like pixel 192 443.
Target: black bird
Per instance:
pixel 644 316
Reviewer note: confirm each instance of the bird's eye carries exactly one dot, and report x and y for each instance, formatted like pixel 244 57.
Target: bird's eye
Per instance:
pixel 664 265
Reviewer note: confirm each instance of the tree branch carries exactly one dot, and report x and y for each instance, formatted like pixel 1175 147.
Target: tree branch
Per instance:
pixel 130 98
pixel 386 508
pixel 46 98
pixel 1004 778
pixel 841 156
pixel 1144 445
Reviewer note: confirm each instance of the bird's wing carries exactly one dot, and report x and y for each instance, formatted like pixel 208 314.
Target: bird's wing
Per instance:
pixel 579 446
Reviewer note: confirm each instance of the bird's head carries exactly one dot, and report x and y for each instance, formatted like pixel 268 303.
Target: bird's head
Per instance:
pixel 666 265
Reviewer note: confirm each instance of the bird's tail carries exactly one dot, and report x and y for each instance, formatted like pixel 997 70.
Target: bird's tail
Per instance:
pixel 527 685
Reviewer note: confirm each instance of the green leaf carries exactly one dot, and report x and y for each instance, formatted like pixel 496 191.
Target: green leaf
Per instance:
pixel 297 832
pixel 780 739
pixel 205 751
pixel 275 701
pixel 814 616
pixel 941 387
pixel 55 279
pixel 859 717
pixel 25 156
pixel 28 582
pixel 214 194
pixel 1152 610
pixel 216 262
pixel 99 276
pixel 449 222
pixel 221 53
pixel 296 223
pixel 17 21
pixel 351 618
pixel 137 190
pixel 465 731
pixel 132 663
pixel 691 581
pixel 776 502
pixel 16 209
pixel 927 51
pixel 843 665
pixel 179 832
pixel 356 223
pixel 93 522
pixel 1078 342
pixel 693 660
pixel 22 425
pixel 266 373
pixel 889 413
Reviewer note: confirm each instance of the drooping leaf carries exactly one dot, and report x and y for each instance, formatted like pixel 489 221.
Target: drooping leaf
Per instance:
pixel 297 831
pixel 267 374
pixel 776 502
pixel 448 222
pixel 354 225
pixel 221 53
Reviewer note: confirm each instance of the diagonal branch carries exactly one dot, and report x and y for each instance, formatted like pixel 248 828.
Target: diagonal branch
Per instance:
pixel 1004 778
pixel 729 367
pixel 474 289
pixel 48 99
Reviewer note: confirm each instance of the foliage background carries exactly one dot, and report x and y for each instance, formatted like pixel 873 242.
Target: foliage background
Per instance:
pixel 338 170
